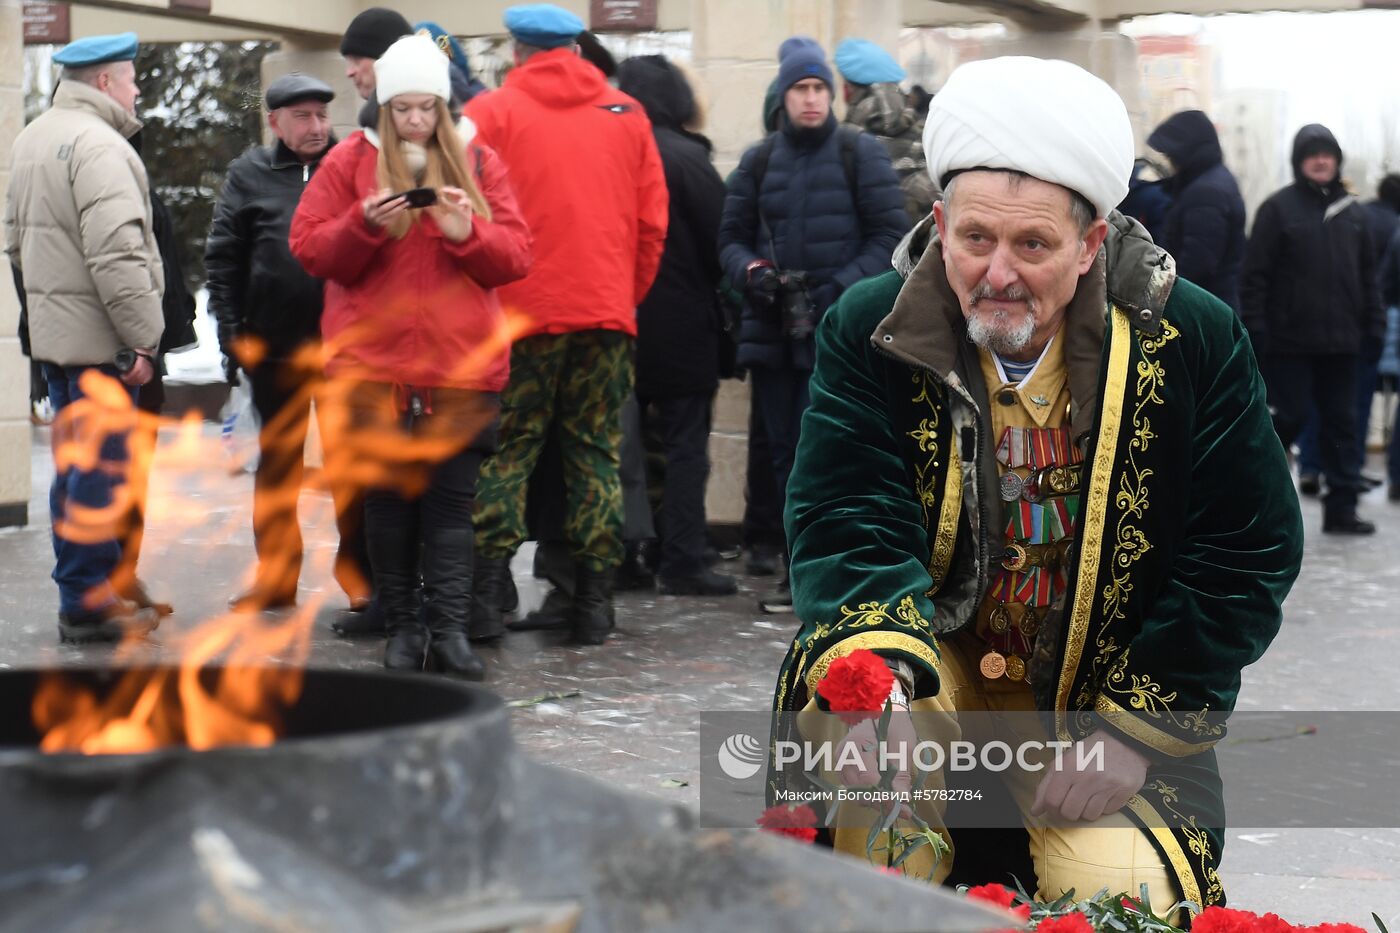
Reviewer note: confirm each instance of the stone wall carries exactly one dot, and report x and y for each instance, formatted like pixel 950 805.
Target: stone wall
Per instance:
pixel 14 367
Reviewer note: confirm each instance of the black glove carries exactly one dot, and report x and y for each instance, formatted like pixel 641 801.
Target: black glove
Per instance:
pixel 823 297
pixel 762 286
pixel 231 370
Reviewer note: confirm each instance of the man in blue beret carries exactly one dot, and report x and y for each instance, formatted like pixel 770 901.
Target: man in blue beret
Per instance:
pixel 874 103
pixel 78 226
pixel 590 183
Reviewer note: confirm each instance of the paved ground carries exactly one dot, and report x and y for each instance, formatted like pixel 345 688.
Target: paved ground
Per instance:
pixel 633 718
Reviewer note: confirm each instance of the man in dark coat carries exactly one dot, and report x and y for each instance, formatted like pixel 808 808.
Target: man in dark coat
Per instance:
pixel 678 325
pixel 811 199
pixel 1204 227
pixel 1310 302
pixel 269 314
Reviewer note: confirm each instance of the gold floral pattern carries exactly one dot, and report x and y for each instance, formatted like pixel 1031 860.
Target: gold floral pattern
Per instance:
pixel 1197 841
pixel 1130 542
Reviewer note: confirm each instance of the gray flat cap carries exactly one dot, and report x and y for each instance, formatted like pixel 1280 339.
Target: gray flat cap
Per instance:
pixel 296 87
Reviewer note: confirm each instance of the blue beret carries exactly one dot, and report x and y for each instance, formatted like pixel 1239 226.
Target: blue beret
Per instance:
pixel 97 50
pixel 861 61
pixel 456 55
pixel 543 25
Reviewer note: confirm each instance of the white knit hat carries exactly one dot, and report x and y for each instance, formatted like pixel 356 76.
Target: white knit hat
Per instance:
pixel 412 65
pixel 1050 119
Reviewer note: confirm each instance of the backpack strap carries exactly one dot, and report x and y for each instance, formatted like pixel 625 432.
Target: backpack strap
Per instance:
pixel 849 136
pixel 760 161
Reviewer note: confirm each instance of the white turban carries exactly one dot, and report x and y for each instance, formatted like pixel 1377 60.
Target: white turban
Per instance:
pixel 1050 119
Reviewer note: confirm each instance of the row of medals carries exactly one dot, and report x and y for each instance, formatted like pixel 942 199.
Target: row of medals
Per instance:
pixel 1036 487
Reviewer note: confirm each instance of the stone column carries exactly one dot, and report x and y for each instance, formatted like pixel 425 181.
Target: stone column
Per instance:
pixel 321 60
pixel 14 366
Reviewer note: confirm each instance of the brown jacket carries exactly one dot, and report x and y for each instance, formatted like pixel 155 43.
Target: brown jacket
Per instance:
pixel 78 226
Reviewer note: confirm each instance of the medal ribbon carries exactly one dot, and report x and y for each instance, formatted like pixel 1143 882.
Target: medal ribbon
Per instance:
pixel 1037 448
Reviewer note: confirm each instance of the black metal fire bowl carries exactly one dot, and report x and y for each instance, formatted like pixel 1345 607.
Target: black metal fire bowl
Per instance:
pixel 394 803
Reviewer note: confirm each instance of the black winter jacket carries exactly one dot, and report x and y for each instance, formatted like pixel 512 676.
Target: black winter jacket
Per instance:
pixel 679 322
pixel 817 226
pixel 1309 282
pixel 256 287
pixel 1204 227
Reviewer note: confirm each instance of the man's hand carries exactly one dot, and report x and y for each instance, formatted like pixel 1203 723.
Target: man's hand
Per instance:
pixel 899 746
pixel 141 373
pixel 1073 794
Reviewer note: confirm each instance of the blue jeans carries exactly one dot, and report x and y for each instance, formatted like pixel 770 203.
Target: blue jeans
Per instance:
pixel 86 526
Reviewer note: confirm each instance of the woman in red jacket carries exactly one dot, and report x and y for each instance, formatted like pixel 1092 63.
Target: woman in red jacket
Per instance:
pixel 417 347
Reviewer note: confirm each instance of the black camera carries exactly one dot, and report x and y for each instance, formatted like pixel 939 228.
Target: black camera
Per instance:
pixel 799 315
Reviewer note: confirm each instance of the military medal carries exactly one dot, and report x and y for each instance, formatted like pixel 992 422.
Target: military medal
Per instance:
pixel 1015 668
pixel 1000 620
pixel 1011 487
pixel 1029 623
pixel 1014 557
pixel 993 664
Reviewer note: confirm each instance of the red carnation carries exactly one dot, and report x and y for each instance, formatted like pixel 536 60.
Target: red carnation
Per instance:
pixel 797 822
pixel 1225 920
pixel 1069 923
pixel 1330 928
pixel 1273 923
pixel 858 683
pixel 1001 896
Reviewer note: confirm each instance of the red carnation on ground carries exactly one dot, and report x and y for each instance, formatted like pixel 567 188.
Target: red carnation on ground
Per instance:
pixel 798 823
pixel 1069 923
pixel 1226 920
pixel 1273 923
pixel 1001 896
pixel 855 687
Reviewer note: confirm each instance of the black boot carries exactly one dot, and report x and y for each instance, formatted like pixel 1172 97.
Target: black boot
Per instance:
pixel 450 652
pixel 407 647
pixel 1347 523
pixel 635 572
pixel 554 613
pixel 488 602
pixel 592 612
pixel 364 619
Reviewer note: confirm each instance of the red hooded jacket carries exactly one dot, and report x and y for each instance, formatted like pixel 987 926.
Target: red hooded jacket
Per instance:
pixel 422 310
pixel 584 164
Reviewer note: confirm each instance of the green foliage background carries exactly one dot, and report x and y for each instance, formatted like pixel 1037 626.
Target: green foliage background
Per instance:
pixel 201 106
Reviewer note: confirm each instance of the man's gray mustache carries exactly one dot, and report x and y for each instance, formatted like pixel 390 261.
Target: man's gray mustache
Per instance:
pixel 984 291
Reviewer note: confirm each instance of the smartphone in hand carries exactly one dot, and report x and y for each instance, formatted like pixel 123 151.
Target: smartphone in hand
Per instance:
pixel 415 197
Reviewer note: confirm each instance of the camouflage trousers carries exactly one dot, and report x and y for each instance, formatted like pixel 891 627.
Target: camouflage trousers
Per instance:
pixel 576 383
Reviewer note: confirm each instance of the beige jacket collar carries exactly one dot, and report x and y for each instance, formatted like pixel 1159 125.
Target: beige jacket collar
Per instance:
pixel 75 95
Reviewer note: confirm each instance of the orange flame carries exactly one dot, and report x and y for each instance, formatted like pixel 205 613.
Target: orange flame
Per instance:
pixel 261 660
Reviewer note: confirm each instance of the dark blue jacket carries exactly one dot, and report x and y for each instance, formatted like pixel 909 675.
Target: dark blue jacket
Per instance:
pixel 817 227
pixel 1204 227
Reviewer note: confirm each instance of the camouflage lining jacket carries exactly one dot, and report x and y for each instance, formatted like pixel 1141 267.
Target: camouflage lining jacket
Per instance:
pixel 880 110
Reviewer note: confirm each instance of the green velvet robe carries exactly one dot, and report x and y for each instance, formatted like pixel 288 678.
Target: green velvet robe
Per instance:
pixel 1189 535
